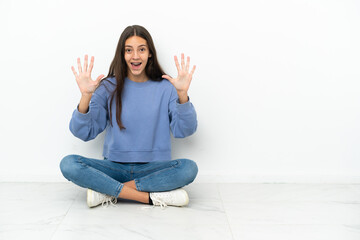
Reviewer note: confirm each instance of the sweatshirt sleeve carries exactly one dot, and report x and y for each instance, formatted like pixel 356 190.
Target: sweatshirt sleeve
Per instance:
pixel 183 119
pixel 87 126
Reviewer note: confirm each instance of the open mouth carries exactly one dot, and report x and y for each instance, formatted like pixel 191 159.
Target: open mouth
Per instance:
pixel 136 64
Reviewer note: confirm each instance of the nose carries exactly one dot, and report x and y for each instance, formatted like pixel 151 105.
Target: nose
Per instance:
pixel 136 55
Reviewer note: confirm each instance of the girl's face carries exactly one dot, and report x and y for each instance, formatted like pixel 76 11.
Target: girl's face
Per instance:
pixel 136 57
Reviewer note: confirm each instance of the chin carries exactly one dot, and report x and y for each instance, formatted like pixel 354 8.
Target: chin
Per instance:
pixel 136 73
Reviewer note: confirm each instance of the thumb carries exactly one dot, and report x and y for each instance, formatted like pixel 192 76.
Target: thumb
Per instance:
pixel 99 78
pixel 167 77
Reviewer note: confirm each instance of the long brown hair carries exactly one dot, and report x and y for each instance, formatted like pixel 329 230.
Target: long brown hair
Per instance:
pixel 119 69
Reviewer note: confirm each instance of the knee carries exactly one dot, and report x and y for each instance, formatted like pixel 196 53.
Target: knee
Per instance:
pixel 190 170
pixel 68 166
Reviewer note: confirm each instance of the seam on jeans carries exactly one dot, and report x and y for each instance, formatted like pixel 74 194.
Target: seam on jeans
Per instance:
pixel 137 184
pixel 101 173
pixel 179 164
pixel 119 188
pixel 174 165
pixel 131 172
pixel 114 169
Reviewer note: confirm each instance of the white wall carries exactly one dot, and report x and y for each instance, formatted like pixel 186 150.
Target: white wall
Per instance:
pixel 276 87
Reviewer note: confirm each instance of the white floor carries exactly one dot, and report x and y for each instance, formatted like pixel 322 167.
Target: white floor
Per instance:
pixel 216 211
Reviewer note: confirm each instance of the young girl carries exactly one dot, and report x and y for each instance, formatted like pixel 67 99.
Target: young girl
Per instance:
pixel 138 105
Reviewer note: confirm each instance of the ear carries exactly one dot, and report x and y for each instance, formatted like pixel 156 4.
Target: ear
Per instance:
pixel 150 55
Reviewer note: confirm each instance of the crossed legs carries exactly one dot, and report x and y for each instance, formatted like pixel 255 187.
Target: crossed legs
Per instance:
pixel 128 181
pixel 129 192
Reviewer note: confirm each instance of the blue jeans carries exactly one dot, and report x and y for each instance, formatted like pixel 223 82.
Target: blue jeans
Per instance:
pixel 107 177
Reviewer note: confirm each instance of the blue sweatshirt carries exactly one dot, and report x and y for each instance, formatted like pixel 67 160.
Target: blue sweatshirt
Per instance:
pixel 149 110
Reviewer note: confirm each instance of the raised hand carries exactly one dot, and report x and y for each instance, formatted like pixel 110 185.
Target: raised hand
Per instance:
pixel 86 84
pixel 183 80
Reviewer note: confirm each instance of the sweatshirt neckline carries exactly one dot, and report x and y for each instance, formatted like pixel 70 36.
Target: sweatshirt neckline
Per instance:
pixel 137 84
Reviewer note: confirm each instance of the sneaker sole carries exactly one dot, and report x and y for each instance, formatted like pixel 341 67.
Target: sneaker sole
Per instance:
pixel 186 196
pixel 89 198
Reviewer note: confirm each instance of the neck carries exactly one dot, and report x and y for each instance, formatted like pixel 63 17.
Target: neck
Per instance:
pixel 138 78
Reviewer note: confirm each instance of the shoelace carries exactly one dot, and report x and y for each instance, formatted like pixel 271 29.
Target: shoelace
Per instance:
pixel 107 200
pixel 159 202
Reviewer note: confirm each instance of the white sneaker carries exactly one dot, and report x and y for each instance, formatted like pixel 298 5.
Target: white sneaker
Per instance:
pixel 95 198
pixel 177 197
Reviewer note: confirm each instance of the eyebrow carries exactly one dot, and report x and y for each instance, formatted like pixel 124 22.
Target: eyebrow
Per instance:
pixel 142 45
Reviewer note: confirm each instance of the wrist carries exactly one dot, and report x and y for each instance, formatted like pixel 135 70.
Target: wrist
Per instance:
pixel 182 93
pixel 86 95
pixel 183 97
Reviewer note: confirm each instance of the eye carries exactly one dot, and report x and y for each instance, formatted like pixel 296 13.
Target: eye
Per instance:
pixel 142 49
pixel 128 50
